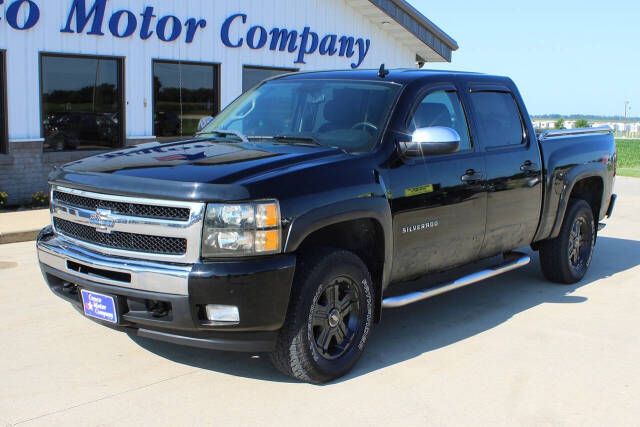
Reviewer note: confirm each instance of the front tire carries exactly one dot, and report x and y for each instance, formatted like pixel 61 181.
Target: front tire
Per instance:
pixel 567 258
pixel 329 318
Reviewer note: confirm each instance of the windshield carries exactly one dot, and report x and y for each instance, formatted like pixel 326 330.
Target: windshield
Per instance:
pixel 346 114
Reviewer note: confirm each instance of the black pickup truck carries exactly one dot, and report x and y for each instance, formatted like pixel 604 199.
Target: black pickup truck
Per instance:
pixel 282 226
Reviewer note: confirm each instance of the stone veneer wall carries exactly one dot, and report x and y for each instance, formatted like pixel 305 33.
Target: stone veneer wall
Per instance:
pixel 24 170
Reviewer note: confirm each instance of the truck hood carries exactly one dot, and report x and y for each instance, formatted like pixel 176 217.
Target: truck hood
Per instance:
pixel 204 161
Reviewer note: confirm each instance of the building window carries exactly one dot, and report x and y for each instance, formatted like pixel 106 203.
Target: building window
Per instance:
pixel 251 76
pixel 183 93
pixel 82 102
pixel 4 142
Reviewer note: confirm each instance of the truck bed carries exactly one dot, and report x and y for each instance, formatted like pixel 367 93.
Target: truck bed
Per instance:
pixel 568 156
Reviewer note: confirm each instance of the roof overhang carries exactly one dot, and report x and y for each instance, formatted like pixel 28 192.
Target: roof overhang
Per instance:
pixel 409 26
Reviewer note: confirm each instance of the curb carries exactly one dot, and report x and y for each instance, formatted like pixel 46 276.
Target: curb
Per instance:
pixel 22 226
pixel 18 236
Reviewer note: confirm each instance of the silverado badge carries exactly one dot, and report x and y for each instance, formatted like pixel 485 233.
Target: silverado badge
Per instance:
pixel 418 227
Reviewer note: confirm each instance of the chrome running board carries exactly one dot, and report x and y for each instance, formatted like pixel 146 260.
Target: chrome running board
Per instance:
pixel 410 298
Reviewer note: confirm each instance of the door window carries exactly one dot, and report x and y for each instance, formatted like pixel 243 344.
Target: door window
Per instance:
pixel 442 108
pixel 499 121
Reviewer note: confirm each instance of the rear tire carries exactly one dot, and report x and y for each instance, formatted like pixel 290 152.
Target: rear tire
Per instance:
pixel 567 258
pixel 329 319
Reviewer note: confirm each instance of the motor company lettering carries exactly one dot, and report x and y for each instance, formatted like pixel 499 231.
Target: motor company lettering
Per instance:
pixel 88 17
pixel 304 43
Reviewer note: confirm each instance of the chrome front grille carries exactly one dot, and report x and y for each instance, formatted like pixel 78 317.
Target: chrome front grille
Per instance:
pixel 119 240
pixel 129 226
pixel 132 209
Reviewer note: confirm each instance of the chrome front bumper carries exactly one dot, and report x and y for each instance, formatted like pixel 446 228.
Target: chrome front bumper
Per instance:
pixel 66 256
pixel 259 288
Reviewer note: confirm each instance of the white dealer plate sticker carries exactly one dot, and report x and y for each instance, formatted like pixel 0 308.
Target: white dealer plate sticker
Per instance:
pixel 99 306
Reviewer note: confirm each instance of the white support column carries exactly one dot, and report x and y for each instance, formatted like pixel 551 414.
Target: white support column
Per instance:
pixel 138 95
pixel 23 93
pixel 230 81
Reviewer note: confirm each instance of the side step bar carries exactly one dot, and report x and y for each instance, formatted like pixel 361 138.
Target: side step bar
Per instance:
pixel 410 298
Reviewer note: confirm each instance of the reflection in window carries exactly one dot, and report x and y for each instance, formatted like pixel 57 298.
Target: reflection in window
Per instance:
pixel 251 76
pixel 81 103
pixel 183 93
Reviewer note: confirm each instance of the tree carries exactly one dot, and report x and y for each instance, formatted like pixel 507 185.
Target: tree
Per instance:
pixel 581 123
pixel 559 124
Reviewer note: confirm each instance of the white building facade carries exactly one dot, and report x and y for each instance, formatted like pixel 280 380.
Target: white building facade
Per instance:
pixel 85 76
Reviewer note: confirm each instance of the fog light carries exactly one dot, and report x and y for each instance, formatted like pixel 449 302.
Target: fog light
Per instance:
pixel 223 314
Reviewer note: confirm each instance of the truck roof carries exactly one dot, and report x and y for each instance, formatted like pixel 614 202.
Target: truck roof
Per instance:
pixel 400 75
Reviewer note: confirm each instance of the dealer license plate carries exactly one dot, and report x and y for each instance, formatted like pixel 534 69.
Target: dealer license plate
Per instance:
pixel 99 306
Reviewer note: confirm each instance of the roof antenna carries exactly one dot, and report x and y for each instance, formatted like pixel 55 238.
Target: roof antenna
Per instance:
pixel 382 72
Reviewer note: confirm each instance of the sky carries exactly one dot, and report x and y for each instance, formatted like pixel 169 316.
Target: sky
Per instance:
pixel 567 57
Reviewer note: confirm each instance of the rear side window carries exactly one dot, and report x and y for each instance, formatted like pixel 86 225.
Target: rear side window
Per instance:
pixel 499 121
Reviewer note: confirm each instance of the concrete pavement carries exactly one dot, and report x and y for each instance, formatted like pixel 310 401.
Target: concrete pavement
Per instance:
pixel 22 226
pixel 511 350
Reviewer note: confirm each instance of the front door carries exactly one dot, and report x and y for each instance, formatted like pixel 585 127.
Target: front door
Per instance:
pixel 438 202
pixel 514 170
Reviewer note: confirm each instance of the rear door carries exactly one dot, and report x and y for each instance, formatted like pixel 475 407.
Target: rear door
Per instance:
pixel 514 168
pixel 438 201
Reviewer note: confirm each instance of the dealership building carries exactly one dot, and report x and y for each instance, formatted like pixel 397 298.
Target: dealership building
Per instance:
pixel 79 77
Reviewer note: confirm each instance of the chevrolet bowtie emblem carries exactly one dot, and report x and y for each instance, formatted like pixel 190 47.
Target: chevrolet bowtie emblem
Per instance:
pixel 102 220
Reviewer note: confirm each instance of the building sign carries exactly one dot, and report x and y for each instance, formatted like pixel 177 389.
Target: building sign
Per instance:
pixel 87 17
pixel 304 43
pixel 11 15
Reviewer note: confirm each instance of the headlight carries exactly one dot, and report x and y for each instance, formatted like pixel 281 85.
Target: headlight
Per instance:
pixel 241 229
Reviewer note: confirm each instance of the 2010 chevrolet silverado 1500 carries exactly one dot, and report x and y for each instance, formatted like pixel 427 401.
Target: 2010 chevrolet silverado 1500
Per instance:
pixel 282 225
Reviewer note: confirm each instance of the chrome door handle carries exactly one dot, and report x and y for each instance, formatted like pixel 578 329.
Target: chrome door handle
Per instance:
pixel 472 177
pixel 528 166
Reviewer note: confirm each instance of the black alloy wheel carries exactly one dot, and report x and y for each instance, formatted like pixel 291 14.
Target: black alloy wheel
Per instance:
pixel 566 258
pixel 330 316
pixel 578 246
pixel 335 318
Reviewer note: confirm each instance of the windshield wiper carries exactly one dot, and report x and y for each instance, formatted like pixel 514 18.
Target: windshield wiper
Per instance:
pixel 303 140
pixel 292 138
pixel 226 132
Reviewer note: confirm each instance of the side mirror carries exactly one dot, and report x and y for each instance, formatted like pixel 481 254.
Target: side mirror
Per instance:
pixel 430 141
pixel 204 122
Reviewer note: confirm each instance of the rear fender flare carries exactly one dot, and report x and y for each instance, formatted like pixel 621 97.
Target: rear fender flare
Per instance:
pixel 576 174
